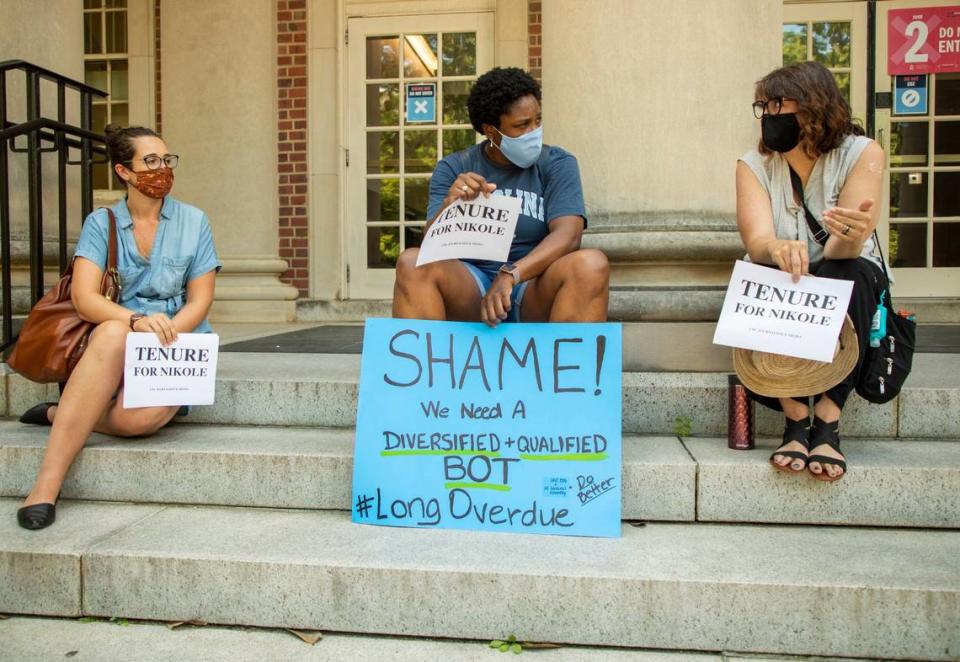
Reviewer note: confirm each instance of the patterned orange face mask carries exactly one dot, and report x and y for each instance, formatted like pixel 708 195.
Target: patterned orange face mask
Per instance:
pixel 154 183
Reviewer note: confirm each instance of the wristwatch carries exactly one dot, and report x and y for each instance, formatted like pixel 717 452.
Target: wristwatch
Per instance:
pixel 136 317
pixel 512 269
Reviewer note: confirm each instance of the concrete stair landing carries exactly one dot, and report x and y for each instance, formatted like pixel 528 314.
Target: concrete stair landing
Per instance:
pixel 689 586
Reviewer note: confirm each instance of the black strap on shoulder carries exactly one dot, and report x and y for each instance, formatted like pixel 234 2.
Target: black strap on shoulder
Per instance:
pixel 819 234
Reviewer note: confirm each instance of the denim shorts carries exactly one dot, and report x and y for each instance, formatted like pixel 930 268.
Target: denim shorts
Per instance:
pixel 484 279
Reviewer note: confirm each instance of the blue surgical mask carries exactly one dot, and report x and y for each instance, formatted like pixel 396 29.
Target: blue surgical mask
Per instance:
pixel 524 150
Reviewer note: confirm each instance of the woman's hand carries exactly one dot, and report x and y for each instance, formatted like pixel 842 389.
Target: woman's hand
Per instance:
pixel 790 256
pixel 496 304
pixel 467 186
pixel 849 225
pixel 160 324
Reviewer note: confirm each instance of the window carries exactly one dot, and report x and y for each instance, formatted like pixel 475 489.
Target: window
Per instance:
pixel 401 152
pixel 826 42
pixel 924 178
pixel 106 68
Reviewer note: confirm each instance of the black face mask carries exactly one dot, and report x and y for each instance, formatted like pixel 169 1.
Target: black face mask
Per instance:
pixel 781 133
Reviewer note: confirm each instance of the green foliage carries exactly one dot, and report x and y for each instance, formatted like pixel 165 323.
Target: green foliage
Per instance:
pixel 831 44
pixel 682 425
pixel 794 42
pixel 509 644
pixel 390 246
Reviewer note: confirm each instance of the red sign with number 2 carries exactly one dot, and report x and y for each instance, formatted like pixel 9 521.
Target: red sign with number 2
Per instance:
pixel 923 40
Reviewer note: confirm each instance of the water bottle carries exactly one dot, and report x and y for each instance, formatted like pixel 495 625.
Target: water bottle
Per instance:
pixel 878 325
pixel 739 415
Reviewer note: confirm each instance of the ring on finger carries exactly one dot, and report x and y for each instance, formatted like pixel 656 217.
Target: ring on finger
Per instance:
pixel 465 188
pixel 846 229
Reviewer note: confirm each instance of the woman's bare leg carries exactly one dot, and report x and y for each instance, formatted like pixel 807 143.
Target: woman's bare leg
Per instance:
pixel 575 288
pixel 442 290
pixel 86 405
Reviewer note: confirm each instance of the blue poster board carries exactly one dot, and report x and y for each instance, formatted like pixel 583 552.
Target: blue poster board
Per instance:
pixel 517 428
pixel 422 102
pixel 910 94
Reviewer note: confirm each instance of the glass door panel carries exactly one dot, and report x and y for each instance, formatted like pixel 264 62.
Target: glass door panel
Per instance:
pixel 388 184
pixel 920 227
pixel 835 35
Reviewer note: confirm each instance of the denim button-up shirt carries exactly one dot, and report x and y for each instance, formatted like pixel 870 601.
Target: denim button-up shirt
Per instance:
pixel 182 250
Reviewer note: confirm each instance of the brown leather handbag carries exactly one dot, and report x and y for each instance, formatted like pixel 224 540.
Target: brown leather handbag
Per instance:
pixel 53 337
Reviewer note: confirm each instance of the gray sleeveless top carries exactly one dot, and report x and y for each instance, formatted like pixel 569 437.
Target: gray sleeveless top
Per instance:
pixel 823 188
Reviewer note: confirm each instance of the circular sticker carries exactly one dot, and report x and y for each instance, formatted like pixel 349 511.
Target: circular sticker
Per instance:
pixel 910 98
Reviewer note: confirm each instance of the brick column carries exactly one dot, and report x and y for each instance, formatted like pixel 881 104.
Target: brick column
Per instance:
pixel 292 142
pixel 534 27
pixel 158 124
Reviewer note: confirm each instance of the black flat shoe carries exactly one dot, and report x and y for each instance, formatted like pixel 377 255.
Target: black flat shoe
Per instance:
pixel 37 516
pixel 37 415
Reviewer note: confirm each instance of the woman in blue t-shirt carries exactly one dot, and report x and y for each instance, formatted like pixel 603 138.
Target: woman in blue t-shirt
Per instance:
pixel 167 264
pixel 547 277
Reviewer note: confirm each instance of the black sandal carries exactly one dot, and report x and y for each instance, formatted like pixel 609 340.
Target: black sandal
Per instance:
pixel 798 431
pixel 37 415
pixel 826 434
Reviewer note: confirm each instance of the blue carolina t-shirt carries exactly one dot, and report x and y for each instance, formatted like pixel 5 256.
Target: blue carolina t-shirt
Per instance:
pixel 548 189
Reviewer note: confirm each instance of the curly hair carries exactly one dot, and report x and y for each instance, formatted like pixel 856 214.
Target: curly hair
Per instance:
pixel 495 92
pixel 823 112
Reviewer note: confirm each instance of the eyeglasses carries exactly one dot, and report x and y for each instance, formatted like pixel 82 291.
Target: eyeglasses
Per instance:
pixel 771 106
pixel 153 161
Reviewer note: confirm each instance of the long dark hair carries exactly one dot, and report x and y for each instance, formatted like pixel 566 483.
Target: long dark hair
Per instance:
pixel 120 147
pixel 824 113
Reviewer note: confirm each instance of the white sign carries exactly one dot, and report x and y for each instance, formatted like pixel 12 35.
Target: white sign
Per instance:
pixel 765 310
pixel 183 373
pixel 480 229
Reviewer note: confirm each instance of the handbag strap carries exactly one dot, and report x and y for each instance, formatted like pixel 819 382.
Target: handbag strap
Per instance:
pixel 819 234
pixel 111 284
pixel 112 241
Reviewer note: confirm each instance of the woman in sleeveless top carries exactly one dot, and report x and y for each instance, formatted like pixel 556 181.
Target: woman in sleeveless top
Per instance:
pixel 806 126
pixel 167 263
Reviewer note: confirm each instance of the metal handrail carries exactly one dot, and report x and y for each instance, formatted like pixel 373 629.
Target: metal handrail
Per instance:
pixel 63 137
pixel 51 137
pixel 23 65
pixel 16 130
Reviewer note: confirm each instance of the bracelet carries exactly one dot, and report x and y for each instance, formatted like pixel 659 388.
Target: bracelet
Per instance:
pixel 136 317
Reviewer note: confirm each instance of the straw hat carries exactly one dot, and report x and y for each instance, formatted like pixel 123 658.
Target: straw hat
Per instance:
pixel 778 376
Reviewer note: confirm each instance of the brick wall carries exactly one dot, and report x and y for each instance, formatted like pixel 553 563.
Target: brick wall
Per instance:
pixel 292 141
pixel 534 23
pixel 156 58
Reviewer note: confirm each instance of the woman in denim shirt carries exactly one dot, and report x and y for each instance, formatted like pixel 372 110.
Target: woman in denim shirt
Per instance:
pixel 167 262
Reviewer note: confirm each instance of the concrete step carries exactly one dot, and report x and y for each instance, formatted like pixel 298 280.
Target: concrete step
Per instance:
pixel 666 303
pixel 894 484
pixel 629 302
pixel 288 468
pixel 701 587
pixel 28 638
pixel 321 390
